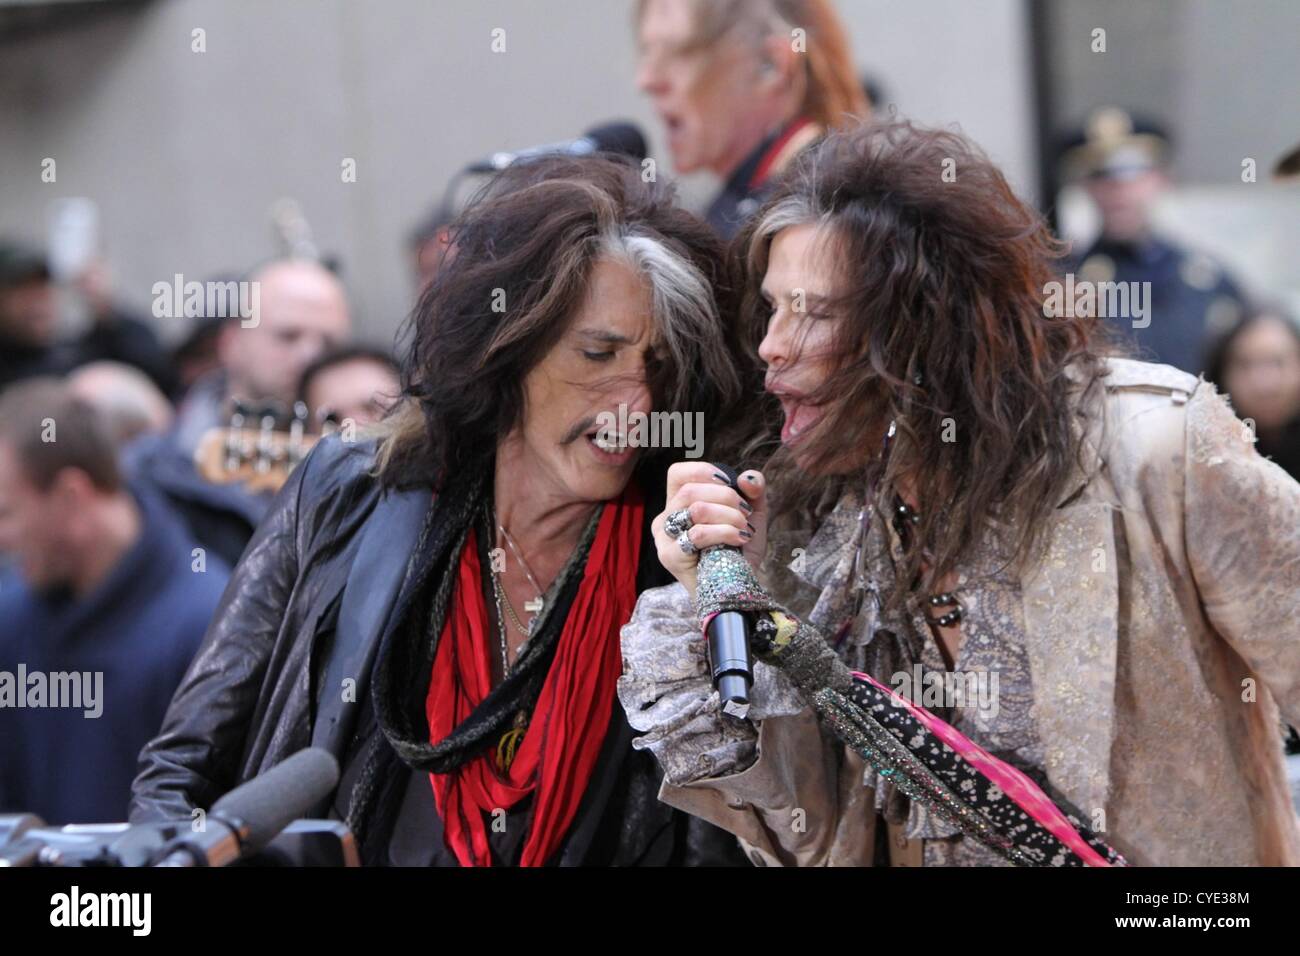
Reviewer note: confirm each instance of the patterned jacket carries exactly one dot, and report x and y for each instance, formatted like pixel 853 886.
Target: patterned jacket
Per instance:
pixel 1162 627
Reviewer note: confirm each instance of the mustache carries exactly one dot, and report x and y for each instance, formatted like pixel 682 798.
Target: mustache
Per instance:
pixel 578 430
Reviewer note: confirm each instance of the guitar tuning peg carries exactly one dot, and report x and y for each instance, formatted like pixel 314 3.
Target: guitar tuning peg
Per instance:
pixel 274 410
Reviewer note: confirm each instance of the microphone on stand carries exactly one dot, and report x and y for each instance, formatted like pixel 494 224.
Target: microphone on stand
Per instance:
pixel 249 817
pixel 258 819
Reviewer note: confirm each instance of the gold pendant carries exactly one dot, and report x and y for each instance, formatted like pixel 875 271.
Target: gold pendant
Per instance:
pixel 508 745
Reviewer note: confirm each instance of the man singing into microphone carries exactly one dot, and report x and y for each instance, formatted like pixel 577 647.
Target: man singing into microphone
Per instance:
pixel 997 503
pixel 439 606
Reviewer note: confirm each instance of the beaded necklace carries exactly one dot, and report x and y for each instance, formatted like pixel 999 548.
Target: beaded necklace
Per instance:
pixel 905 519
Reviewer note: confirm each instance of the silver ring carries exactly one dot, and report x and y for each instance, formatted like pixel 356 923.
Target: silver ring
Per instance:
pixel 677 522
pixel 684 542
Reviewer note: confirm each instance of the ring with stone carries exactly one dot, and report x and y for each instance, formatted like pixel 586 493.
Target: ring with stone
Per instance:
pixel 685 543
pixel 677 522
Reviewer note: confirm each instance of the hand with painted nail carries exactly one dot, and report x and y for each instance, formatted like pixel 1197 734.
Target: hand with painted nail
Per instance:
pixel 704 511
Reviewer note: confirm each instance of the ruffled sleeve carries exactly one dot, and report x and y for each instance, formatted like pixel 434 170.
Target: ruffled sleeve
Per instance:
pixel 668 696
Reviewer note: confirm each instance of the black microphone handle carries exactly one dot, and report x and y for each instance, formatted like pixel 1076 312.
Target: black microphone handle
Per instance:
pixel 729 632
pixel 729 661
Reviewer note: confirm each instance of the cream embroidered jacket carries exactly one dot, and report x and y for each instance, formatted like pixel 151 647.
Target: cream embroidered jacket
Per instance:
pixel 1162 626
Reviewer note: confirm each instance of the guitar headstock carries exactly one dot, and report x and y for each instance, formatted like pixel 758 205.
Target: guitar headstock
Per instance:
pixel 255 449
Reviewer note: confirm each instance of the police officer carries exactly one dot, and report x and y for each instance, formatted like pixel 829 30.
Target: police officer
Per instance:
pixel 1123 165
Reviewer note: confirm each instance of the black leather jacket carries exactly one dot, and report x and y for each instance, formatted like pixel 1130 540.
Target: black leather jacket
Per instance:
pixel 303 613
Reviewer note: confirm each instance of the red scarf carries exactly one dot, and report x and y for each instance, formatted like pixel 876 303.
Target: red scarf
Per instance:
pixel 567 727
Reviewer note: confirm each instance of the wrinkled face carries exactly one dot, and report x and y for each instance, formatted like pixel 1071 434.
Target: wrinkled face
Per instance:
pixel 704 95
pixel 34 525
pixel 1263 374
pixel 1125 203
pixel 598 364
pixel 302 314
pixel 798 345
pixel 28 312
pixel 361 390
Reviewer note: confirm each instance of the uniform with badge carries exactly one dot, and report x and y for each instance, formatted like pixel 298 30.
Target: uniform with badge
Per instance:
pixel 1190 299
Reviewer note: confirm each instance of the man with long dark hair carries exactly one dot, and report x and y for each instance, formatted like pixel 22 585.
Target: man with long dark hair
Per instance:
pixel 438 605
pixel 1046 595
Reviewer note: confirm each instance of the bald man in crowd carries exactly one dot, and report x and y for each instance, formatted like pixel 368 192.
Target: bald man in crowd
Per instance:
pixel 302 313
pixel 126 398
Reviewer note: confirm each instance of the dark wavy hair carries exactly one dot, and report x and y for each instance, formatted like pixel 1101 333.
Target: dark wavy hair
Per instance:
pixel 522 252
pixel 940 290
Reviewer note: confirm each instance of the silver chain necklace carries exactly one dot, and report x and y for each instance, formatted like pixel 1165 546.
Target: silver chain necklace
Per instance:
pixel 501 626
pixel 534 606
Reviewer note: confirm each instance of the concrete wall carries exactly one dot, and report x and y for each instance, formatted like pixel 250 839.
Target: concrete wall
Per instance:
pixel 184 152
pixel 1221 74
pixel 1222 77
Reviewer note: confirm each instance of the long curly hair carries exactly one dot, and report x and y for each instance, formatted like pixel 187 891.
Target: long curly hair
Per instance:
pixel 941 277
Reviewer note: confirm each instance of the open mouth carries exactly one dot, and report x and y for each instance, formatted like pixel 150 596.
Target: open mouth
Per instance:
pixel 798 420
pixel 800 417
pixel 610 447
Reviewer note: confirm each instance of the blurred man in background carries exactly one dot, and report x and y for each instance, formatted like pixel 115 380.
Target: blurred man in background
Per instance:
pixel 302 313
pixel 107 586
pixel 196 355
pixel 1124 166
pixel 115 335
pixel 743 86
pixel 29 342
pixel 125 398
pixel 356 385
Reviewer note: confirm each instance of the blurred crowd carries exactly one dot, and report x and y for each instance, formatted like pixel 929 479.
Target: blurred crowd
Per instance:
pixel 121 521
pixel 166 458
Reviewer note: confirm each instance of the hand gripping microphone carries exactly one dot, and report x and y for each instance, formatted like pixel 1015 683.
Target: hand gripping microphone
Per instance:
pixel 728 636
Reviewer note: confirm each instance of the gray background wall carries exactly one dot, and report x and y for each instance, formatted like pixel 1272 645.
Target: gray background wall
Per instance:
pixel 1223 76
pixel 184 152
